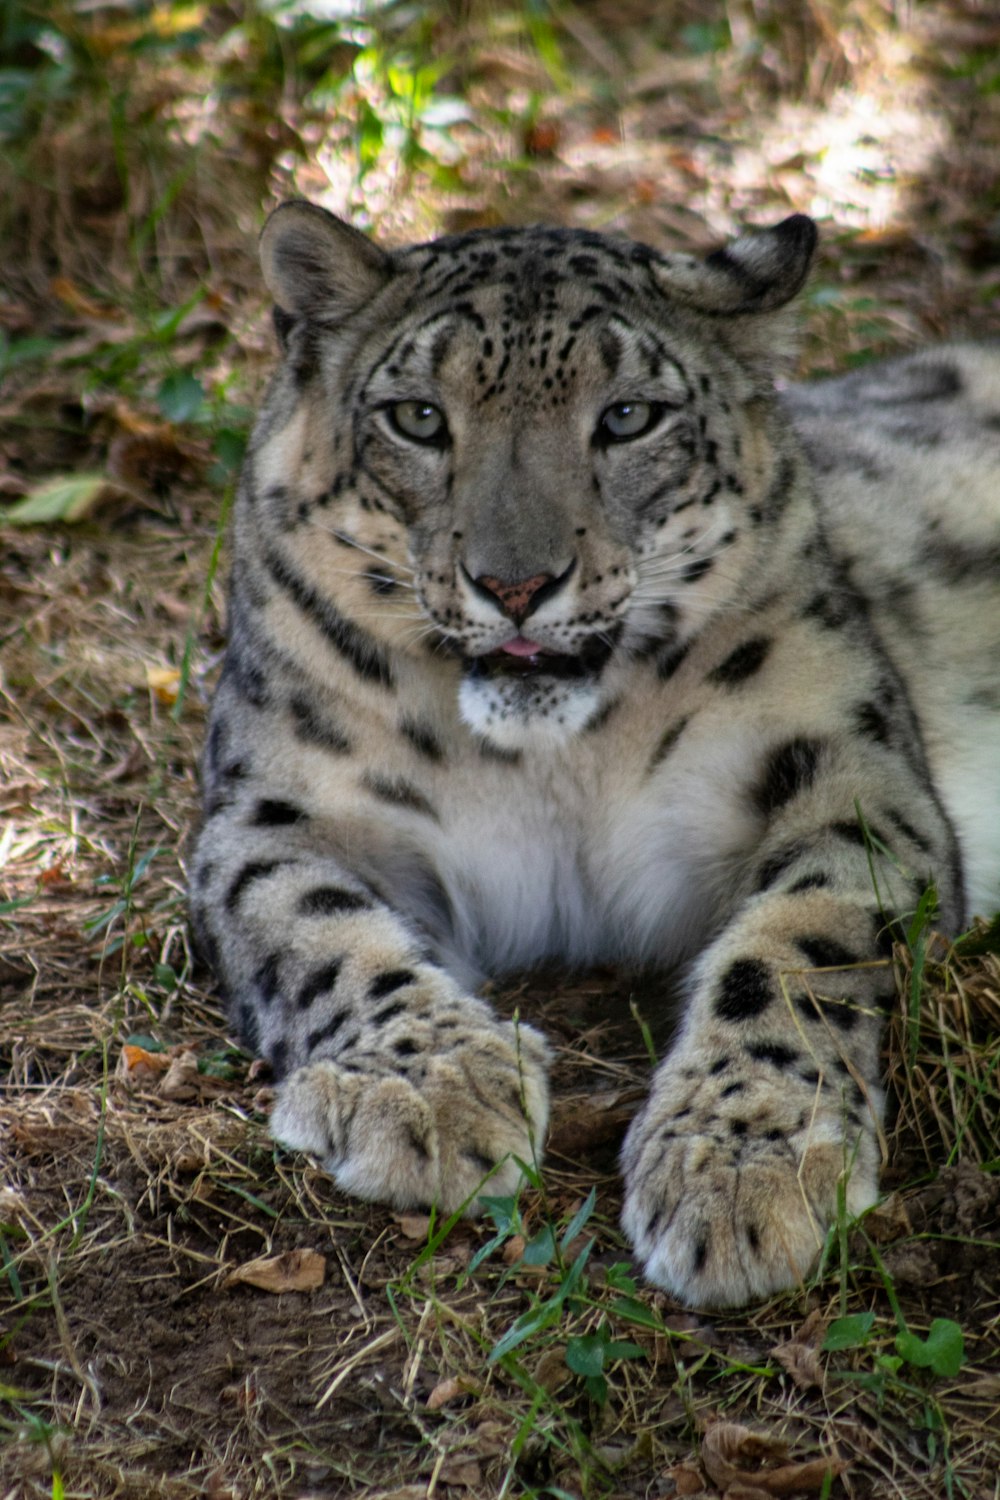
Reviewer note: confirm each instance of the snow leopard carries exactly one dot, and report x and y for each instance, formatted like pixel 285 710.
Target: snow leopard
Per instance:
pixel 562 629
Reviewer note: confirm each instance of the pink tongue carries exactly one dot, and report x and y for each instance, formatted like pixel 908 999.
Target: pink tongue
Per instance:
pixel 520 647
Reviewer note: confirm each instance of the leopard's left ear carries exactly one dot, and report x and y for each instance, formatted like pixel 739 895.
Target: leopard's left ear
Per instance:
pixel 756 273
pixel 316 266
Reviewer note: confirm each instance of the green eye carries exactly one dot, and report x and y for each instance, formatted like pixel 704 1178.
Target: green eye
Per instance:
pixel 420 421
pixel 626 420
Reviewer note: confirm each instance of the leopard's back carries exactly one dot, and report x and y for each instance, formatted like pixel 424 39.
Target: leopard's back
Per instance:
pixel 906 455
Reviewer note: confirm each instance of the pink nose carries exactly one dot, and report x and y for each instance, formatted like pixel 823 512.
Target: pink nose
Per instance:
pixel 514 597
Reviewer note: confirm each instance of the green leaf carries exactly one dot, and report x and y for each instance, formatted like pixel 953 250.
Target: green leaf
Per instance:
pixel 849 1333
pixel 165 976
pixel 507 1220
pixel 585 1354
pixel 623 1349
pixel 923 917
pixel 634 1311
pixel 703 39
pixel 225 1065
pixel 484 1252
pixel 142 865
pixel 531 1322
pixel 14 352
pixel 503 1212
pixel 619 1278
pixel 97 924
pixel 147 1043
pixel 370 136
pixel 540 1248
pixel 181 397
pixel 67 497
pixel 977 942
pixel 574 1275
pixel 15 905
pixel 943 1350
pixel 578 1220
pixel 530 1173
pixel 229 447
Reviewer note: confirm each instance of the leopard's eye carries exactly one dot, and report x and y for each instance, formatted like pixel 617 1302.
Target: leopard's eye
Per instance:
pixel 420 421
pixel 627 420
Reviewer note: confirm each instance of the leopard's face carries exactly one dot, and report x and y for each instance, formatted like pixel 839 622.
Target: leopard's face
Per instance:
pixel 540 444
pixel 558 475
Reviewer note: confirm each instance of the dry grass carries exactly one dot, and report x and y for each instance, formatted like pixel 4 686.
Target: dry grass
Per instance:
pixel 131 1362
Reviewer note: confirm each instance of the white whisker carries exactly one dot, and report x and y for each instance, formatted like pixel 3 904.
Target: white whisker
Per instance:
pixel 350 541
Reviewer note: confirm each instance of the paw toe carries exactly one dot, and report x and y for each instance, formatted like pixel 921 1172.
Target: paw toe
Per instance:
pixel 720 1224
pixel 432 1139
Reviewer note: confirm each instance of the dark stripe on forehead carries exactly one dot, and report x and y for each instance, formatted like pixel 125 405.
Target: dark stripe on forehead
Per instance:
pixel 410 336
pixel 611 349
pixel 653 351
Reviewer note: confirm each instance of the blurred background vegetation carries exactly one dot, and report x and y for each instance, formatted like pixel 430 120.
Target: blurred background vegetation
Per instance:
pixel 141 144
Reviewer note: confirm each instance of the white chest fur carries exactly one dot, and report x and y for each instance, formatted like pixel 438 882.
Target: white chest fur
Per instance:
pixel 577 861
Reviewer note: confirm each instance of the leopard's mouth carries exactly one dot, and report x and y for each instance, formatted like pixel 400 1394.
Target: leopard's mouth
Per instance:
pixel 524 658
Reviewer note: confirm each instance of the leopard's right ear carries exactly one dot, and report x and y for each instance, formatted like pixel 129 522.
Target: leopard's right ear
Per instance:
pixel 316 266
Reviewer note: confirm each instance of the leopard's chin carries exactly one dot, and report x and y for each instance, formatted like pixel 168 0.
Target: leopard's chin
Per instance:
pixel 533 699
pixel 514 711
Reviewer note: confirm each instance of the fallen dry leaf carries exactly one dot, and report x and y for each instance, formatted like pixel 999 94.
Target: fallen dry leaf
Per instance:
pixel 687 1479
pixel 464 1472
pixel 550 1369
pixel 799 1355
pixel 491 1437
pixel 413 1226
pixel 181 1081
pixel 294 1271
pixel 71 296
pixel 449 1390
pixel 136 1064
pixel 802 1363
pixel 163 683
pixel 732 1455
pixel 889 1221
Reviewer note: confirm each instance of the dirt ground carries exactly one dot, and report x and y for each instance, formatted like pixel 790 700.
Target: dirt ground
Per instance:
pixel 186 1310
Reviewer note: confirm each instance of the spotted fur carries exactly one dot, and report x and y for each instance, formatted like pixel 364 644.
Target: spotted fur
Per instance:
pixel 544 644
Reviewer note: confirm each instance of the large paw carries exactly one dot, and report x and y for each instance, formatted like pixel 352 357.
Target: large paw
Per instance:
pixel 732 1182
pixel 432 1135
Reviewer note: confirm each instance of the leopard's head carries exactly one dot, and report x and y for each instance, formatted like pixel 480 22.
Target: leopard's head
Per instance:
pixel 543 445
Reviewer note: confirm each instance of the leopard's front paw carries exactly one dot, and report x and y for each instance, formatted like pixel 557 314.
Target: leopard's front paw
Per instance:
pixel 732 1183
pixel 429 1135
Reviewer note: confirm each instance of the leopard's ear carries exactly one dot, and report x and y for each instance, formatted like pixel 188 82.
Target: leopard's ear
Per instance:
pixel 756 273
pixel 316 266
